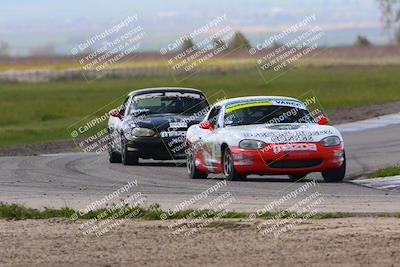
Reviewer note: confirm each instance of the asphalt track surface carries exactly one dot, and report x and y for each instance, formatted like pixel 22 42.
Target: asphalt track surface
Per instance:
pixel 78 179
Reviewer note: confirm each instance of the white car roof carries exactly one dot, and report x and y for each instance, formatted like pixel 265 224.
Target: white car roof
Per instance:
pixel 257 98
pixel 165 89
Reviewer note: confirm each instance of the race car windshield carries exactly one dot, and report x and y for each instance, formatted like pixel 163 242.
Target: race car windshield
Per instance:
pixel 169 104
pixel 267 115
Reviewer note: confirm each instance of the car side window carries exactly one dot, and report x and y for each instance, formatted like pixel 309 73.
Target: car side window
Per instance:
pixel 124 107
pixel 213 116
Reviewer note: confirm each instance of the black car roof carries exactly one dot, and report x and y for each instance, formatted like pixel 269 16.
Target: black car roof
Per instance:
pixel 165 89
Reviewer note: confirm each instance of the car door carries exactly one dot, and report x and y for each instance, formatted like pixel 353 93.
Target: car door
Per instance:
pixel 216 140
pixel 115 125
pixel 210 140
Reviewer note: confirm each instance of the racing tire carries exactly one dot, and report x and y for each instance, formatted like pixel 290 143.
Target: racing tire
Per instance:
pixel 191 168
pixel 228 168
pixel 128 158
pixel 335 175
pixel 114 157
pixel 297 176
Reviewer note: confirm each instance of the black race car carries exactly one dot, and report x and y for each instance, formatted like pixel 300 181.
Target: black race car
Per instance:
pixel 152 123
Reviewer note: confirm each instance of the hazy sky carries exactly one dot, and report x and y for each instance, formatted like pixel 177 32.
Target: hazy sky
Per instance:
pixel 64 23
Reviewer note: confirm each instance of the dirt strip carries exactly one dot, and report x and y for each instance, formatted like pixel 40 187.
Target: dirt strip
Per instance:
pixel 350 114
pixel 48 147
pixel 331 242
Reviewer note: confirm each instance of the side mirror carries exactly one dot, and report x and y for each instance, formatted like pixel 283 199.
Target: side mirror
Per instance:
pixel 322 120
pixel 115 113
pixel 206 125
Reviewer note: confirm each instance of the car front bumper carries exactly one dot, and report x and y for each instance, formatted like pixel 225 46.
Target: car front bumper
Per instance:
pixel 269 161
pixel 157 148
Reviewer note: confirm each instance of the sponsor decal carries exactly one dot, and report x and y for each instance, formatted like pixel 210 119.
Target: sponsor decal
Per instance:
pixel 172 133
pixel 289 103
pixel 283 127
pixel 282 137
pixel 286 136
pixel 180 124
pixel 294 147
pixel 236 106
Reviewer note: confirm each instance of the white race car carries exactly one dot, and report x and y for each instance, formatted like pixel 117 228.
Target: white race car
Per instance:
pixel 264 135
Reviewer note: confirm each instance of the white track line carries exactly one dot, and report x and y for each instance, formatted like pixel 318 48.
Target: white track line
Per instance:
pixel 389 183
pixel 364 125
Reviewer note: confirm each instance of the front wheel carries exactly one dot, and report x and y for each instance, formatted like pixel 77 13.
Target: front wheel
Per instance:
pixel 128 158
pixel 335 175
pixel 229 170
pixel 192 170
pixel 114 157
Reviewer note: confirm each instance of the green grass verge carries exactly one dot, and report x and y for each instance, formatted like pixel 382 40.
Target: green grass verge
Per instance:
pixel 154 212
pixel 384 172
pixel 43 111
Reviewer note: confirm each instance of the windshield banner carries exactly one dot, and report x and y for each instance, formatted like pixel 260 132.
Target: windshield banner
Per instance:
pixel 241 105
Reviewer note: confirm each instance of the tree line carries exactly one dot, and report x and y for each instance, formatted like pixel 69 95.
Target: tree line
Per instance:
pixel 238 41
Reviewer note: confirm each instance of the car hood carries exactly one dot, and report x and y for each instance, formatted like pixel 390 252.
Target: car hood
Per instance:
pixel 164 122
pixel 281 133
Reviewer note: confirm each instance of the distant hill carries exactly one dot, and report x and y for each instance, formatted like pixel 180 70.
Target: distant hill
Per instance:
pixel 32 23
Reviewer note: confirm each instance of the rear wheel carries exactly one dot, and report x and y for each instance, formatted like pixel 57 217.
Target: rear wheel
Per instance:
pixel 192 170
pixel 335 175
pixel 229 170
pixel 297 176
pixel 127 157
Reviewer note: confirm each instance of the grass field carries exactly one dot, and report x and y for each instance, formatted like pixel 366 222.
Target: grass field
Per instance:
pixel 153 212
pixel 384 172
pixel 320 57
pixel 43 111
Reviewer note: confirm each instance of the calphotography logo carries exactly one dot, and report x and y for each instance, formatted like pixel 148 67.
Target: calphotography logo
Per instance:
pixel 211 212
pixel 110 47
pixel 203 195
pixel 200 49
pixel 291 209
pixel 275 54
pixel 91 134
pixel 114 210
pixel 205 210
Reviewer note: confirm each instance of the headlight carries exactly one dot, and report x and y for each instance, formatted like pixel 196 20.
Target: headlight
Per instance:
pixel 141 132
pixel 330 141
pixel 252 144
